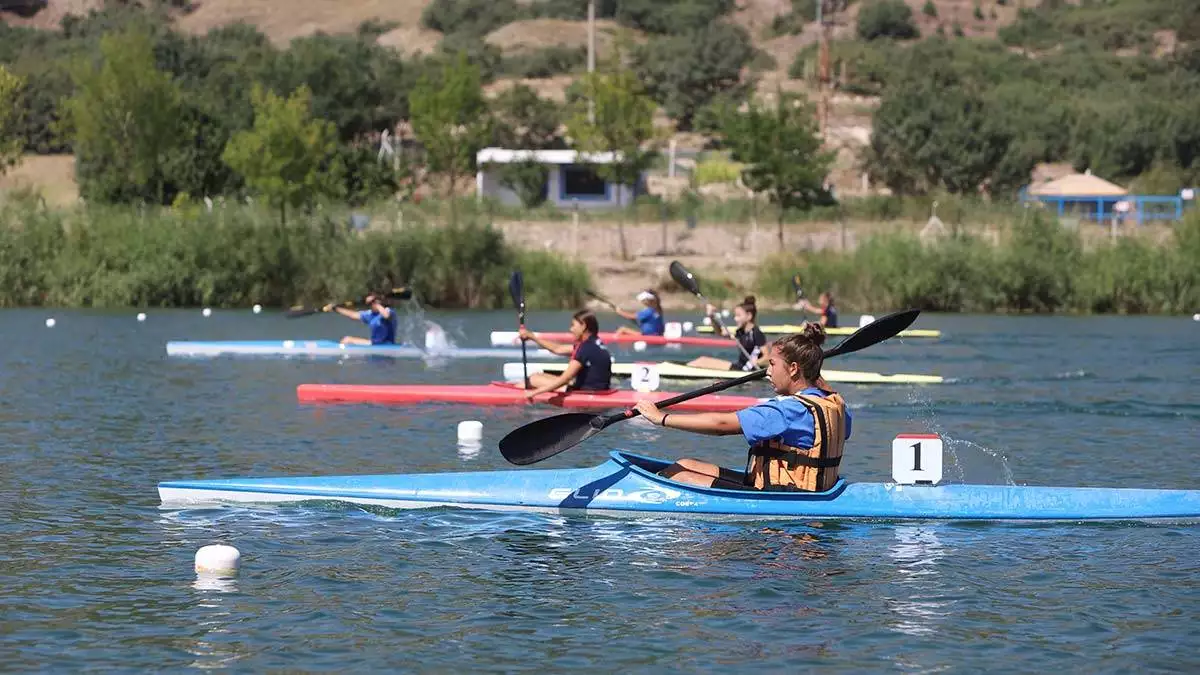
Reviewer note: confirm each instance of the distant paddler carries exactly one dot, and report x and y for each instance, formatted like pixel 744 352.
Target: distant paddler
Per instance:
pixel 649 318
pixel 752 352
pixel 379 317
pixel 824 307
pixel 590 367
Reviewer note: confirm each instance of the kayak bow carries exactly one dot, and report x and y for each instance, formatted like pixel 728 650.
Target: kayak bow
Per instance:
pixel 628 485
pixel 502 393
pixel 504 338
pixel 332 348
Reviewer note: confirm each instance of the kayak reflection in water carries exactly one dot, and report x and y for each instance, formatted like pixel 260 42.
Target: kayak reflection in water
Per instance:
pixel 380 317
pixel 796 439
pixel 590 367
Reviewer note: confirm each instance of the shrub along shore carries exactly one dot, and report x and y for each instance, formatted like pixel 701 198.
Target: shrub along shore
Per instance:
pixel 239 256
pixel 1037 267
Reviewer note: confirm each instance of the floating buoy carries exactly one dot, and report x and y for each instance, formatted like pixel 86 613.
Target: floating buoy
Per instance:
pixel 141 316
pixel 50 323
pixel 707 321
pixel 257 309
pixel 865 319
pixel 1196 317
pixel 470 431
pixel 288 344
pixel 688 326
pixel 218 560
pixel 639 346
pixel 724 314
pixel 206 312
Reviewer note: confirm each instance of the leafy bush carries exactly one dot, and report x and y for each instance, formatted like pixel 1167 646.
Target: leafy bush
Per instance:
pixel 544 62
pixel 671 16
pixel 886 19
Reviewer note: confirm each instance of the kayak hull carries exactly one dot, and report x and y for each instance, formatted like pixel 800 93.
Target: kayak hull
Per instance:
pixel 505 338
pixel 788 329
pixel 676 371
pixel 332 348
pixel 628 485
pixel 504 394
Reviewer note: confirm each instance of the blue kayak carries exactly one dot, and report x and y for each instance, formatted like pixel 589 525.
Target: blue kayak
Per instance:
pixel 333 348
pixel 628 485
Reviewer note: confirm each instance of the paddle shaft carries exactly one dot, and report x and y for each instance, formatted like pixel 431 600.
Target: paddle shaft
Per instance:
pixel 684 278
pixel 608 302
pixel 516 286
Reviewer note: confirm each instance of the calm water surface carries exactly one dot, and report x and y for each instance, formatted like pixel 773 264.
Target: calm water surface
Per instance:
pixel 95 575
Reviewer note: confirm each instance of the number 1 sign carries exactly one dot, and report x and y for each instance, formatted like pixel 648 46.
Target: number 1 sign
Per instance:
pixel 917 459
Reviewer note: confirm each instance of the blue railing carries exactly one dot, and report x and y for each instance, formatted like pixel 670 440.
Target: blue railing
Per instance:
pixel 1142 208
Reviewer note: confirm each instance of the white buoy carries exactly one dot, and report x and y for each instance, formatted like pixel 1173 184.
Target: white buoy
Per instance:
pixel 288 344
pixel 206 312
pixel 218 560
pixel 470 431
pixel 639 346
pixel 707 321
pixel 141 316
pixel 1196 317
pixel 865 319
pixel 50 323
pixel 257 309
pixel 688 326
pixel 724 314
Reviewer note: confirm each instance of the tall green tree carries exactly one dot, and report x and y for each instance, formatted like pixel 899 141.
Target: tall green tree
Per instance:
pixel 11 141
pixel 526 121
pixel 286 157
pixel 782 148
pixel 124 120
pixel 451 120
pixel 622 124
pixel 686 72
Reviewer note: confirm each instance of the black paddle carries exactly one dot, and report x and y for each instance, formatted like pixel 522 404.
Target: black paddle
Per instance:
pixel 547 437
pixel 686 279
pixel 606 301
pixel 516 288
pixel 402 293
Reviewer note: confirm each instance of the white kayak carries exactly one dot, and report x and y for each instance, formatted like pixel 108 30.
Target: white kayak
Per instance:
pixel 679 371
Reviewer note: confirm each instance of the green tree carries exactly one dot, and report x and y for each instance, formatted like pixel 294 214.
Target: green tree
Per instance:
pixel 782 148
pixel 622 124
pixel 929 9
pixel 124 120
pixel 450 118
pixel 11 142
pixel 886 19
pixel 525 121
pixel 286 156
pixel 685 72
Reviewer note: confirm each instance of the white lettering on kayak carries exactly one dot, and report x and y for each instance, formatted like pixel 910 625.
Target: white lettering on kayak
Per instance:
pixel 644 495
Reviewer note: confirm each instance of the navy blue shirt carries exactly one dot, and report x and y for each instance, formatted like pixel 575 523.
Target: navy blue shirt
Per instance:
pixel 753 342
pixel 831 320
pixel 596 374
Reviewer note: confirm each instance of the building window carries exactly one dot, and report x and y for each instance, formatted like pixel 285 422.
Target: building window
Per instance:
pixel 581 182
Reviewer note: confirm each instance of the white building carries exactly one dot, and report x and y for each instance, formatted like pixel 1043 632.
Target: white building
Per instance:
pixel 572 179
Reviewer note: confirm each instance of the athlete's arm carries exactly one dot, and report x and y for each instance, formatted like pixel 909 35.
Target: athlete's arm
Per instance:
pixel 711 424
pixel 573 368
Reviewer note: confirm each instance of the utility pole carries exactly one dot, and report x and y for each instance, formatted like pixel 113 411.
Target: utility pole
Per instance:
pixel 591 59
pixel 822 72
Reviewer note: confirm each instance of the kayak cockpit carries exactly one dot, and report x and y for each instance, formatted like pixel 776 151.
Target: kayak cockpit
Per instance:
pixel 648 468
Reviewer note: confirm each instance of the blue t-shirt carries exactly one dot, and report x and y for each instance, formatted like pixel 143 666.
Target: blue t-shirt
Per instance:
pixel 783 418
pixel 596 374
pixel 383 331
pixel 651 321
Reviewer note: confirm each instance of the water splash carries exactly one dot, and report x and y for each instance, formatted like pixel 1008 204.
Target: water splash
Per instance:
pixel 962 454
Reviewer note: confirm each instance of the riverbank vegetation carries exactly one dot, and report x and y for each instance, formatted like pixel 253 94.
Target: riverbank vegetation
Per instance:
pixel 236 256
pixel 1037 266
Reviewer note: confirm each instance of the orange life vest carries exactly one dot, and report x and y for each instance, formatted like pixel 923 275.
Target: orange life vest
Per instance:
pixel 772 465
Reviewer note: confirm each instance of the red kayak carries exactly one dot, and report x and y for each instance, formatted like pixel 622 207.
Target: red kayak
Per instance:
pixel 507 338
pixel 503 393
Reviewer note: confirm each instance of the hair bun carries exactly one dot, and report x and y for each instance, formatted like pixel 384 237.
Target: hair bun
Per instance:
pixel 814 333
pixel 749 300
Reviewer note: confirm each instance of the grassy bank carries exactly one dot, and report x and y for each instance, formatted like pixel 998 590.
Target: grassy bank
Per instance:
pixel 239 255
pixel 1037 266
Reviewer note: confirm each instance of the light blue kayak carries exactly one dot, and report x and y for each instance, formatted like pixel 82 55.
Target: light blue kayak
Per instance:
pixel 627 485
pixel 333 348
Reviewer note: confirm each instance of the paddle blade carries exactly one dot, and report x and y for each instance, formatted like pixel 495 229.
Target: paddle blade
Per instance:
pixel 546 438
pixel 684 278
pixel 299 311
pixel 516 288
pixel 875 332
pixel 796 286
pixel 402 293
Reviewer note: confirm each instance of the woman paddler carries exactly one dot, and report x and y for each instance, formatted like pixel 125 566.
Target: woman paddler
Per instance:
pixel 748 335
pixel 379 316
pixel 590 367
pixel 824 307
pixel 796 439
pixel 649 318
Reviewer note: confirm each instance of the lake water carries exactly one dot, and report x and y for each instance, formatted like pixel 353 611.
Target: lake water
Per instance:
pixel 94 575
